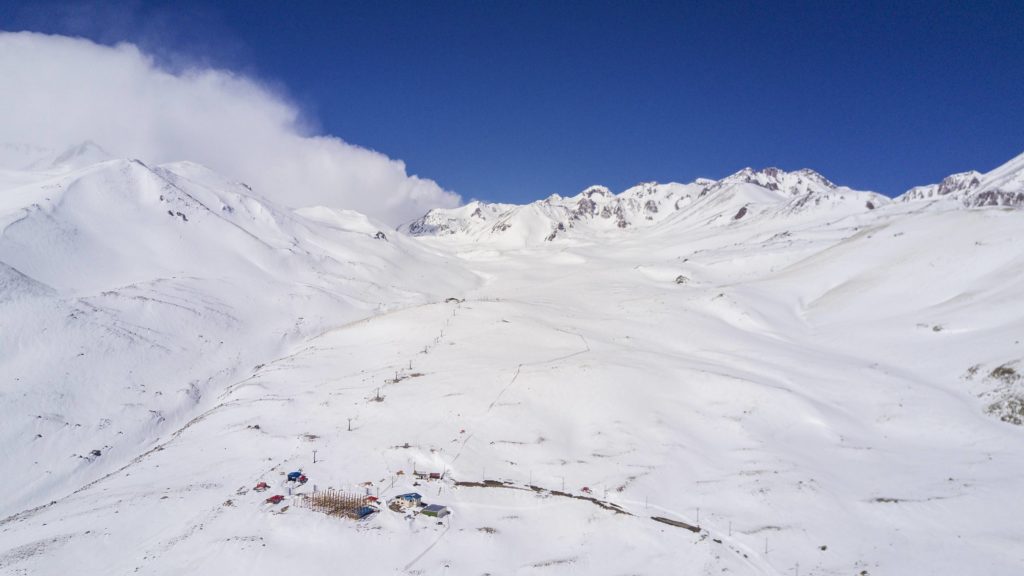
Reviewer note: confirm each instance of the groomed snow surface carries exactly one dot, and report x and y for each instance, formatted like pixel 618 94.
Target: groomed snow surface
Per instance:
pixel 827 391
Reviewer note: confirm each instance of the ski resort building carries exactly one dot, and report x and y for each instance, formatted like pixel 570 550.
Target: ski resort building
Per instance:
pixel 436 510
pixel 409 500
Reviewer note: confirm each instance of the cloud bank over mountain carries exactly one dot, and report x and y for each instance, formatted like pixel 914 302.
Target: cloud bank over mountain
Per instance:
pixel 59 91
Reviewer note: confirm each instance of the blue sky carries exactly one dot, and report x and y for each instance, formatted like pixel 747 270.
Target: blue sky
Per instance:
pixel 513 101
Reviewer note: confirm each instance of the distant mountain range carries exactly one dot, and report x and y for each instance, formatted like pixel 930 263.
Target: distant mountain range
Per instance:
pixel 739 198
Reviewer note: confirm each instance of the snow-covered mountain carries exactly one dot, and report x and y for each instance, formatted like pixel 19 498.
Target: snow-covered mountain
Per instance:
pixel 746 195
pixel 758 375
pixel 1003 186
pixel 129 294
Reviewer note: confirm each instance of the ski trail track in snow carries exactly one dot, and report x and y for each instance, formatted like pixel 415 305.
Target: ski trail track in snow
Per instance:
pixel 515 376
pixel 427 549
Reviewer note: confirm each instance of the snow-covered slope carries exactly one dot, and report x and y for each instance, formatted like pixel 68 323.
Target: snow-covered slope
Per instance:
pixel 749 194
pixel 130 293
pixel 1003 186
pixel 817 386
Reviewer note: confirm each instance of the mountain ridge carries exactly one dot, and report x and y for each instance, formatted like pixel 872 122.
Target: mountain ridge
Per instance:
pixel 1003 186
pixel 746 194
pixel 748 191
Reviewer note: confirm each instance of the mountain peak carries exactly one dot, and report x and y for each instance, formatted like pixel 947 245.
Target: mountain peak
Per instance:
pixel 596 190
pixel 1003 186
pixel 962 182
pixel 799 181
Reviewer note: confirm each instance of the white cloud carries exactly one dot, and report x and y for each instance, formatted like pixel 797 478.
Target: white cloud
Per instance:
pixel 57 91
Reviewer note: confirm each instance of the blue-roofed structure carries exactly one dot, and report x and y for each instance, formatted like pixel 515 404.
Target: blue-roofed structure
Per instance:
pixel 405 502
pixel 364 511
